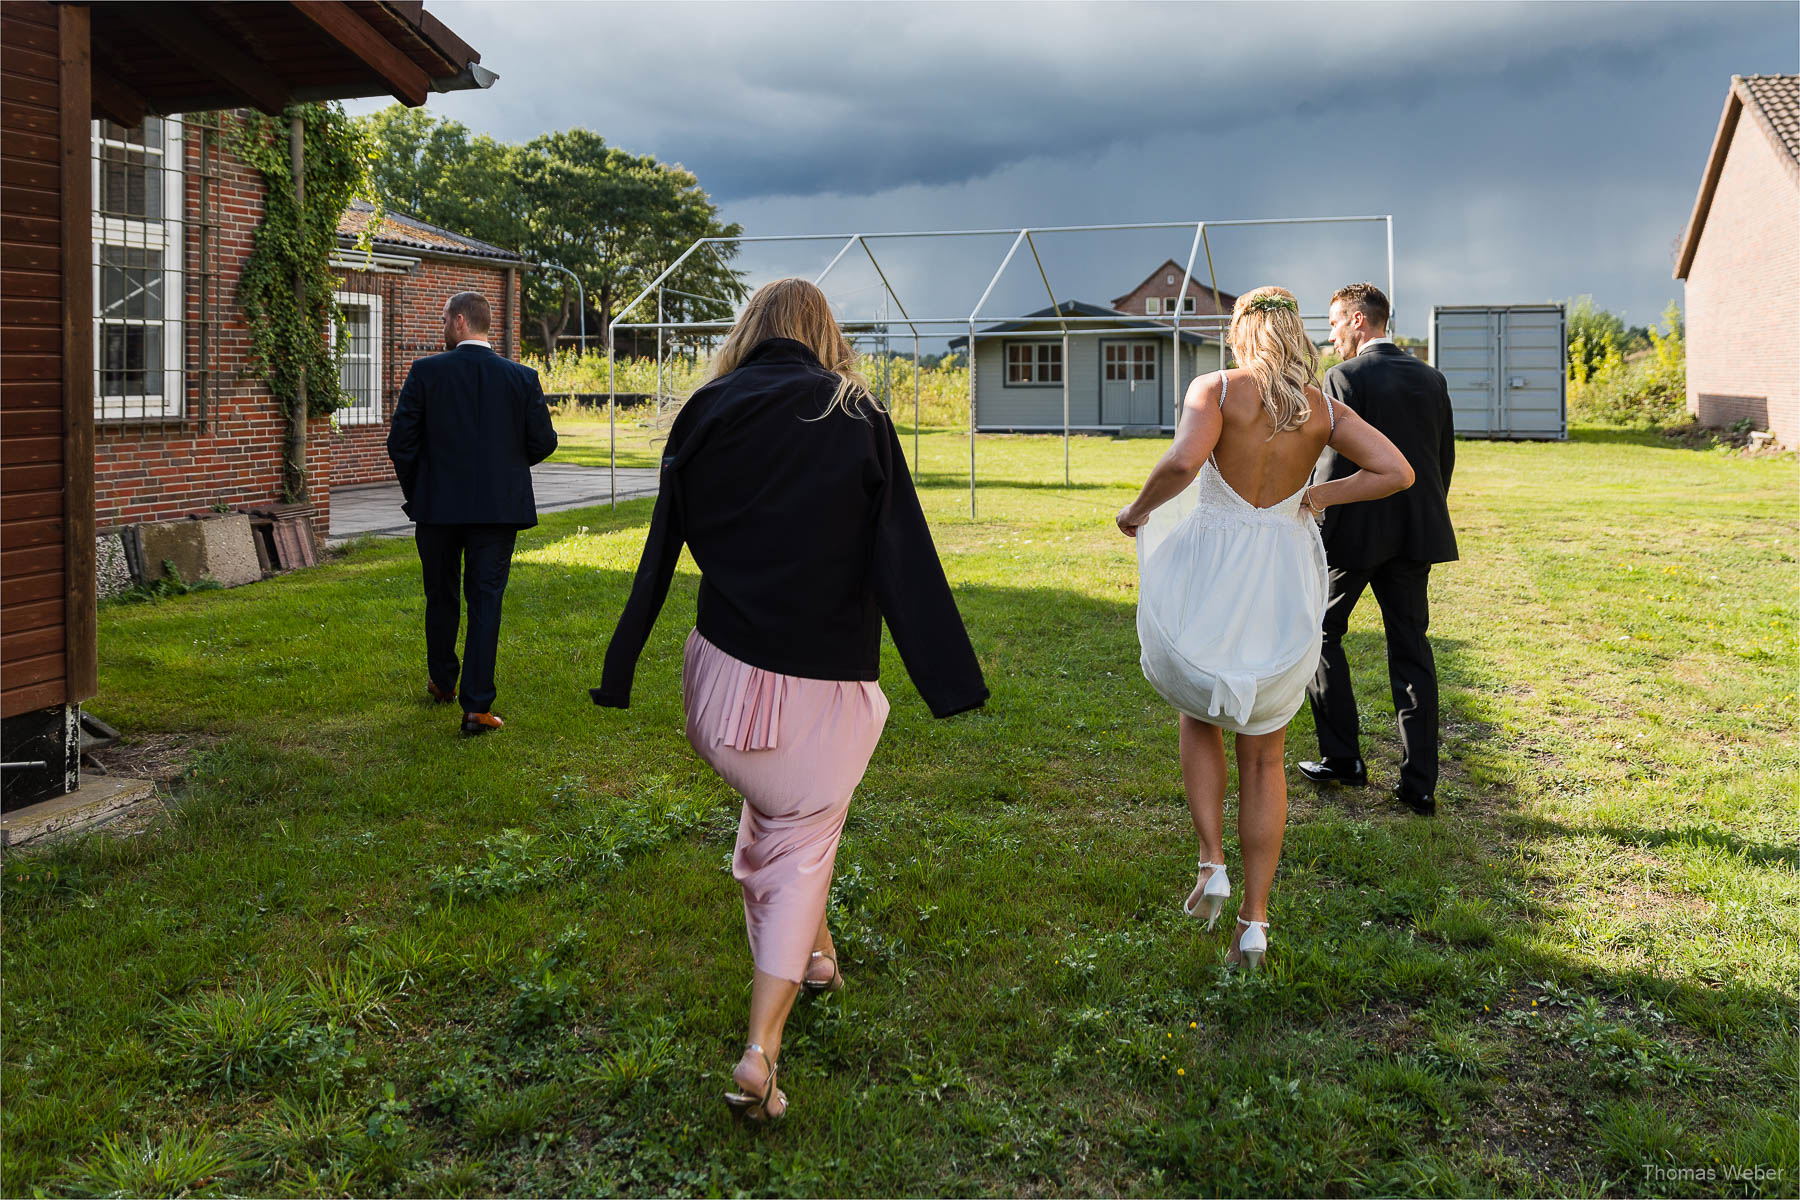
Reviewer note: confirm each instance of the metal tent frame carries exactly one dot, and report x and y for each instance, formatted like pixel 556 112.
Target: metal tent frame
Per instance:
pixel 1026 237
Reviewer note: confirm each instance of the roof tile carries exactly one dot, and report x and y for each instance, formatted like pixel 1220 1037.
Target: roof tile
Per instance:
pixel 398 229
pixel 1777 98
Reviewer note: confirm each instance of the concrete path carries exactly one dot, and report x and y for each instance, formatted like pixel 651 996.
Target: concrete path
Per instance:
pixel 375 508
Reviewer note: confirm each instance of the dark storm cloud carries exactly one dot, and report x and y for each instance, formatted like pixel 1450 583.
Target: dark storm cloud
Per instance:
pixel 1526 151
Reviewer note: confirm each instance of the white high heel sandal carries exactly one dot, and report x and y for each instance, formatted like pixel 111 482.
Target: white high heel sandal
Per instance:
pixel 1252 942
pixel 1213 895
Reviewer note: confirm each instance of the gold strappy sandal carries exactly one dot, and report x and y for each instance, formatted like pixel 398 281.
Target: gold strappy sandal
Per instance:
pixel 756 1108
pixel 817 986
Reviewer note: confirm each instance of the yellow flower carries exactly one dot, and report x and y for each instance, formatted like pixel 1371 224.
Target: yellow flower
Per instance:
pixel 1534 1004
pixel 1193 1025
pixel 1181 1070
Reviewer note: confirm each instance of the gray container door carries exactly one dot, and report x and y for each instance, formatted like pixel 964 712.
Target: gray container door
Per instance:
pixel 1130 390
pixel 1531 373
pixel 1465 347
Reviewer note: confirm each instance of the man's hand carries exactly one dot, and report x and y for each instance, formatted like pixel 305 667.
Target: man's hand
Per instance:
pixel 1129 522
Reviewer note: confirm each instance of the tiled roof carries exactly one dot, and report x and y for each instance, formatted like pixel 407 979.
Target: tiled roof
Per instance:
pixel 1773 103
pixel 398 229
pixel 1776 99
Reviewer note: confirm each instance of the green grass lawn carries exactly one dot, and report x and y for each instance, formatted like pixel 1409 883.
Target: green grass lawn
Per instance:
pixel 359 955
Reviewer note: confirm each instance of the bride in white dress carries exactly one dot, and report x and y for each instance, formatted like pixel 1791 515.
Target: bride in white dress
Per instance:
pixel 1232 582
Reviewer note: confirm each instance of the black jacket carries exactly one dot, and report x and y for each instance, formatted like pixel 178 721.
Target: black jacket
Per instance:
pixel 807 533
pixel 1406 399
pixel 469 427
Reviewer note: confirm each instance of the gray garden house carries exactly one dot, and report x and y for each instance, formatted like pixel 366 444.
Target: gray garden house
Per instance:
pixel 1119 374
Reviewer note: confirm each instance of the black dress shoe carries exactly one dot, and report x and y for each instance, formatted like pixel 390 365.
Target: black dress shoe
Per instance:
pixel 1423 803
pixel 1350 771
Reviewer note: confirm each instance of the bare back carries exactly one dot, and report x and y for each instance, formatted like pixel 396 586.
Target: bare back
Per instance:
pixel 1266 470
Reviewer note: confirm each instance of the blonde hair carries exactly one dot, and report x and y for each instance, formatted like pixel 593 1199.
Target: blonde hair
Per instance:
pixel 1267 337
pixel 795 308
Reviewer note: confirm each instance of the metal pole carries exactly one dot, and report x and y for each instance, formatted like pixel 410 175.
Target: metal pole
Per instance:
pixel 659 352
pixel 1390 290
pixel 612 400
pixel 972 412
pixel 1065 383
pixel 915 404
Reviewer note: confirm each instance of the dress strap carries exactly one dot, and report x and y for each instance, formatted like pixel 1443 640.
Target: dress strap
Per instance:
pixel 1330 409
pixel 1223 383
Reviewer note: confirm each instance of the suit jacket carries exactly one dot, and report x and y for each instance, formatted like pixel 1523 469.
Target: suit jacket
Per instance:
pixel 469 427
pixel 1406 399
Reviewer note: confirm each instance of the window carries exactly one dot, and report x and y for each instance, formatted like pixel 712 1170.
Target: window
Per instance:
pixel 359 372
pixel 136 176
pixel 1129 361
pixel 1033 363
pixel 1187 304
pixel 1153 305
pixel 1168 279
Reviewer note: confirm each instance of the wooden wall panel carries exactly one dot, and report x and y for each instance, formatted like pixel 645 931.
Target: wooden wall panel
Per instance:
pixel 43 144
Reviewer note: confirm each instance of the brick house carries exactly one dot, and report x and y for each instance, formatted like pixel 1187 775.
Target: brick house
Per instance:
pixel 393 303
pixel 1740 258
pixel 183 423
pixel 1156 295
pixel 122 227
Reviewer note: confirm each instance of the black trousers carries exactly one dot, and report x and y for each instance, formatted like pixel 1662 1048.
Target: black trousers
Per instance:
pixel 473 560
pixel 1400 590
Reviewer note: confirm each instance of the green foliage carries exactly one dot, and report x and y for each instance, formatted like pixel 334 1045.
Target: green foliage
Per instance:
pixel 1645 390
pixel 613 218
pixel 290 326
pixel 181 1164
pixel 170 585
pixel 943 389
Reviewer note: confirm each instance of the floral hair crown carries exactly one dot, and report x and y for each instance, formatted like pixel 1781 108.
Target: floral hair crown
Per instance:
pixel 1272 303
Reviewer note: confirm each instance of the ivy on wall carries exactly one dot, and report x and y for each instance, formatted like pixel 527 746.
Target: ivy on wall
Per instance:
pixel 290 325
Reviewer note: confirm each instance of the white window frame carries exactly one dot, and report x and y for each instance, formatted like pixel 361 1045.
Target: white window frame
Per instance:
pixel 164 236
pixel 1168 279
pixel 1153 306
pixel 367 409
pixel 1187 304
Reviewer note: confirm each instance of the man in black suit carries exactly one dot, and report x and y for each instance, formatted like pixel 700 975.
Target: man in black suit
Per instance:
pixel 1388 545
pixel 468 429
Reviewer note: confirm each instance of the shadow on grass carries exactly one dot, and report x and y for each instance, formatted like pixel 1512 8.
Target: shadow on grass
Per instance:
pixel 1008 882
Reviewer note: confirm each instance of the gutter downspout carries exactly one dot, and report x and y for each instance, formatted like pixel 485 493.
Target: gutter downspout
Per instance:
pixel 294 481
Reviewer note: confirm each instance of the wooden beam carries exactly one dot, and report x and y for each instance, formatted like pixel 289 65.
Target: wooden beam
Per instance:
pixel 114 99
pixel 197 45
pixel 81 648
pixel 404 78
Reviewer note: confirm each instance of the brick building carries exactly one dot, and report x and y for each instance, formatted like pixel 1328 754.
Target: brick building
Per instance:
pixel 183 422
pixel 122 226
pixel 1740 257
pixel 1156 295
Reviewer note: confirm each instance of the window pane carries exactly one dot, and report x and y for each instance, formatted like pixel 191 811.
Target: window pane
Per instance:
pixel 131 283
pixel 131 360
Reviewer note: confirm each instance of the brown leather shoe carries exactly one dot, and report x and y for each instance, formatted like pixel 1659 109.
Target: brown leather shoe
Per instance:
pixel 438 695
pixel 479 723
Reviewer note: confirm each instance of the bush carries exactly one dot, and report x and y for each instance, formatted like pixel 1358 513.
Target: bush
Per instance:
pixel 1645 391
pixel 943 389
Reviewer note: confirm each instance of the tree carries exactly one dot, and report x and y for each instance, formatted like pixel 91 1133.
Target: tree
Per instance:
pixel 615 219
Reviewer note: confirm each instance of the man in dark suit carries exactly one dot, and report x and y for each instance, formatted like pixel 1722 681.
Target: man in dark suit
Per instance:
pixel 468 429
pixel 1388 545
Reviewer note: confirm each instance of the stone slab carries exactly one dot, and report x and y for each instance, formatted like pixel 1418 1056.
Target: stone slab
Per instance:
pixel 97 799
pixel 112 570
pixel 219 548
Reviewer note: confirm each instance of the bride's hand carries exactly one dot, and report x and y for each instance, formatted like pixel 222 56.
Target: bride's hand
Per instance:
pixel 1128 525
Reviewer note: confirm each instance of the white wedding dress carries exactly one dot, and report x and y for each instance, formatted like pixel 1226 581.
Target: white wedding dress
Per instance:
pixel 1230 600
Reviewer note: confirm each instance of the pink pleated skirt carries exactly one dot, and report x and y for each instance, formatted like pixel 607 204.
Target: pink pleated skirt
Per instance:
pixel 795 749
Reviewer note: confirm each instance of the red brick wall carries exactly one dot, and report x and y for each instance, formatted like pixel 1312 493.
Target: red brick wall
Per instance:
pixel 413 327
pixel 1743 293
pixel 1198 287
pixel 156 471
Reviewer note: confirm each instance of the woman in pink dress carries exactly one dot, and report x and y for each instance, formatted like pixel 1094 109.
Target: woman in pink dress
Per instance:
pixel 786 480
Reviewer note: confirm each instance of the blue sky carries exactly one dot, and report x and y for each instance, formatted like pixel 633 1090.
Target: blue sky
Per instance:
pixel 1526 151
